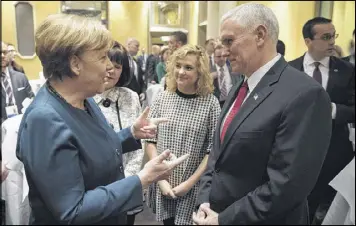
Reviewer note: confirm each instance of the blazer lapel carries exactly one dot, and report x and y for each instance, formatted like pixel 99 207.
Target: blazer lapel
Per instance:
pixel 263 89
pixel 333 73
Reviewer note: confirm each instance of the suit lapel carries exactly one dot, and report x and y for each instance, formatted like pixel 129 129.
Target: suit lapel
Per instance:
pixel 263 89
pixel 333 73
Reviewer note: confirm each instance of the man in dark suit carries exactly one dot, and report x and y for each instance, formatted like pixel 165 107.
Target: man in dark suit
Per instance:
pixel 272 135
pixel 142 59
pixel 152 61
pixel 337 77
pixel 137 83
pixel 209 48
pixel 15 87
pixel 224 79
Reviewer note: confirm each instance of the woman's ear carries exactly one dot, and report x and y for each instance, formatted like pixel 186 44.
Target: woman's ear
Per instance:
pixel 74 64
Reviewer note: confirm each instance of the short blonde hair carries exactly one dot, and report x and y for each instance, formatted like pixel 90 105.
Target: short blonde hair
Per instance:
pixel 205 81
pixel 61 36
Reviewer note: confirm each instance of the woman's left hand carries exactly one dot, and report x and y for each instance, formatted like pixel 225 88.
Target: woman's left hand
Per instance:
pixel 144 128
pixel 182 189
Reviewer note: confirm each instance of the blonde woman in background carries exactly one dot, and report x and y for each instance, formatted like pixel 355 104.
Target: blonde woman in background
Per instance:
pixel 193 112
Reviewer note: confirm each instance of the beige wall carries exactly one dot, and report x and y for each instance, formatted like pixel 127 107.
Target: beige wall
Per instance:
pixel 41 10
pixel 344 21
pixel 129 19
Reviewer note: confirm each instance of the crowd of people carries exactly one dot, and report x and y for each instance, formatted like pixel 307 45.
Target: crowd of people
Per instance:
pixel 228 133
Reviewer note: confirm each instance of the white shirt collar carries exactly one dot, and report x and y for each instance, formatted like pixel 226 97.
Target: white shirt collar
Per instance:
pixel 7 72
pixel 225 68
pixel 256 77
pixel 308 60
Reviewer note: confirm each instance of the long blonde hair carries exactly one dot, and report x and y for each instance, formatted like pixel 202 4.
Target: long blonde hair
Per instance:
pixel 205 81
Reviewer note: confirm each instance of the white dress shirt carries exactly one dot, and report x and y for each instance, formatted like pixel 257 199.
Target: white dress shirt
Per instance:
pixel 7 73
pixel 309 67
pixel 227 77
pixel 252 82
pixel 133 63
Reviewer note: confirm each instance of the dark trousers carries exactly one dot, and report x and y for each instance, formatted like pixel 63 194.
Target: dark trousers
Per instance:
pixel 130 219
pixel 169 221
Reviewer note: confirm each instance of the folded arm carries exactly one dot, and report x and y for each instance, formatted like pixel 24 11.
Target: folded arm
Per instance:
pixel 301 142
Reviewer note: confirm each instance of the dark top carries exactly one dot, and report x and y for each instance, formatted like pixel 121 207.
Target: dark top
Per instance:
pixel 73 164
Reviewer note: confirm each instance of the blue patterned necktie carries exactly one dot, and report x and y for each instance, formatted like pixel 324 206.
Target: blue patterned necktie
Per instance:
pixel 7 88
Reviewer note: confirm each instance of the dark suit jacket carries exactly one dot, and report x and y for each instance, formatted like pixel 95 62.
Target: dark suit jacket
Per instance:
pixel 73 164
pixel 140 62
pixel 341 90
pixel 137 84
pixel 21 89
pixel 272 152
pixel 151 64
pixel 235 77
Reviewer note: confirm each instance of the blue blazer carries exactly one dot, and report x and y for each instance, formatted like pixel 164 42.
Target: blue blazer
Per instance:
pixel 73 164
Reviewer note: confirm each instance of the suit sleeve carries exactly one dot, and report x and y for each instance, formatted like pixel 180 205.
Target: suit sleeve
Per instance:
pixel 345 113
pixel 28 88
pixel 54 168
pixel 300 146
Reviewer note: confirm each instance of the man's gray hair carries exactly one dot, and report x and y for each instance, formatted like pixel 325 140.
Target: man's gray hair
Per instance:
pixel 251 15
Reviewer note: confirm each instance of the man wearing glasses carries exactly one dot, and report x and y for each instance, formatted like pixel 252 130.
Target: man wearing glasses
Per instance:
pixel 337 77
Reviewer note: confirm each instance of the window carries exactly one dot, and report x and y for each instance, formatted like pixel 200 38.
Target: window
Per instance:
pixel 25 29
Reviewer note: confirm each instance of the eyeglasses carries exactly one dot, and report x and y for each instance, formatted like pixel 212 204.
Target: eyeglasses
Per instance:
pixel 327 37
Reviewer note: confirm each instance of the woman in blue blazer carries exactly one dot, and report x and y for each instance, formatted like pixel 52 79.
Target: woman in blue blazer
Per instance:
pixel 72 157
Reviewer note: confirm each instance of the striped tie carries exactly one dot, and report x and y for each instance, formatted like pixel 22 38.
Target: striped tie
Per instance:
pixel 223 89
pixel 8 89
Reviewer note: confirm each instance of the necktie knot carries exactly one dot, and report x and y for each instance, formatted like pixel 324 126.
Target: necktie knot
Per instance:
pixel 317 64
pixel 245 85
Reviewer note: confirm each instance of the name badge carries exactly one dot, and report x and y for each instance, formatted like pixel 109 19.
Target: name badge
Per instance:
pixel 11 111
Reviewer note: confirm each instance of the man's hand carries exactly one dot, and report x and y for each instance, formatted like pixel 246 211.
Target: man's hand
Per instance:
pixel 211 217
pixel 182 189
pixel 166 189
pixel 144 128
pixel 156 170
pixel 142 97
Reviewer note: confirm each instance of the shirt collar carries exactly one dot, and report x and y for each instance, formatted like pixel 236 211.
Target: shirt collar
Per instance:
pixel 308 60
pixel 7 72
pixel 256 77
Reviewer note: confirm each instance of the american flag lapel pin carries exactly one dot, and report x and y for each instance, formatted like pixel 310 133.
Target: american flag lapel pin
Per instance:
pixel 255 96
pixel 336 70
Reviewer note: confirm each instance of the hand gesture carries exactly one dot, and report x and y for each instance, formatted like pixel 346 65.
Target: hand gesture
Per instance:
pixel 144 128
pixel 156 170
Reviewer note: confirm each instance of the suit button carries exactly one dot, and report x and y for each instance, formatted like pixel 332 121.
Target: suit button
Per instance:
pixel 217 170
pixel 117 152
pixel 121 169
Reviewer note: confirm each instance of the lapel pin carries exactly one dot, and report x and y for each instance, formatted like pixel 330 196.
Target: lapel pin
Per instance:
pixel 336 70
pixel 255 96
